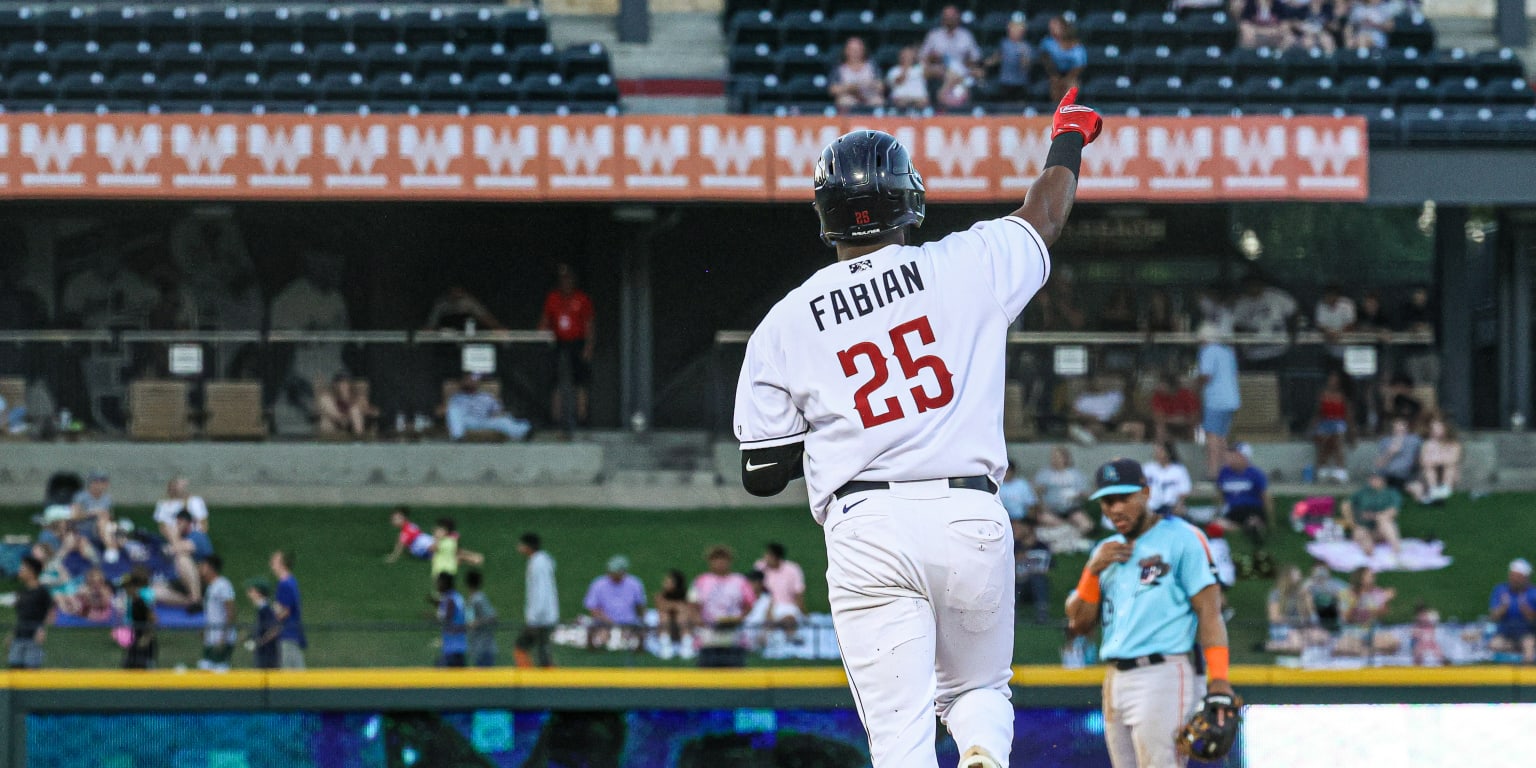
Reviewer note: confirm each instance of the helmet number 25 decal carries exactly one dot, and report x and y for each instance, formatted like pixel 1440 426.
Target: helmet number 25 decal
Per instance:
pixel 911 368
pixel 860 217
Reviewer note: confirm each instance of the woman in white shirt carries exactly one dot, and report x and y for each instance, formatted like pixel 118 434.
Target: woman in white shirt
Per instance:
pixel 178 496
pixel 1168 480
pixel 908 88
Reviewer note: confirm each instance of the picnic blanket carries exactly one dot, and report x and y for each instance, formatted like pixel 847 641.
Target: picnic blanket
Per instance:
pixel 1417 555
pixel 169 617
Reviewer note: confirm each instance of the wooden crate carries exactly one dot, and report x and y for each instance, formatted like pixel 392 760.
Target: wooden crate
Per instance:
pixel 1259 418
pixel 233 411
pixel 158 410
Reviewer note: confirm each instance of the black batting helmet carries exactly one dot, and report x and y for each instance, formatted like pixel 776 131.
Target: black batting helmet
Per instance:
pixel 866 186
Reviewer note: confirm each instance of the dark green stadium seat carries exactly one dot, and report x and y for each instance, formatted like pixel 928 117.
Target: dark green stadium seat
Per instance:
pixel 58 24
pixel 1366 89
pixel 486 57
pixel 337 57
pixel 542 88
pixel 1205 28
pixel 1109 88
pixel 1259 89
pixel 903 28
pixel 494 86
pixel 1452 64
pixel 756 60
pixel 1503 63
pixel 1153 90
pixel 343 87
pixel 214 26
pixel 18 23
pixel 806 89
pixel 445 86
pixel 126 55
pixel 1212 90
pixel 232 57
pixel 1301 63
pixel 265 26
pixel 383 57
pixel 1205 61
pixel 283 57
pixel 859 22
pixel 522 27
pixel 1112 28
pixel 1359 63
pixel 116 25
pixel 239 86
pixel 536 59
pixel 795 62
pixel 187 56
pixel 81 85
pixel 394 85
pixel 474 26
pixel 802 28
pixel 1509 90
pixel 31 85
pixel 1412 30
pixel 374 26
pixel 1158 28
pixel 321 26
pixel 432 58
pixel 1412 90
pixel 177 86
pixel 1154 62
pixel 1406 62
pixel 594 88
pixel 428 27
pixel 1315 90
pixel 580 59
pixel 74 56
pixel 292 87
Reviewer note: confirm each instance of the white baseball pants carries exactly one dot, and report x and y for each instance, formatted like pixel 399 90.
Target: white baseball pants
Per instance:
pixel 921 583
pixel 1143 710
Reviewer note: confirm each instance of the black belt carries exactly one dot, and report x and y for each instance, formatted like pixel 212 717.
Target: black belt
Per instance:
pixel 972 483
pixel 1126 665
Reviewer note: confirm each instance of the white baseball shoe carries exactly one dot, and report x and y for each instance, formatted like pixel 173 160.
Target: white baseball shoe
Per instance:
pixel 976 757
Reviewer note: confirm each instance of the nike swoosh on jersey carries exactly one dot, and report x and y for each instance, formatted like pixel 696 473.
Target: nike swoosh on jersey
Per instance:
pixel 847 507
pixel 755 467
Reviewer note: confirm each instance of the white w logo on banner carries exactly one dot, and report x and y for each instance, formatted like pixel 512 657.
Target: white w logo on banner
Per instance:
pixel 355 153
pixel 657 153
pixel 506 152
pixel 1329 153
pixel 1181 153
pixel 799 148
pixel 957 153
pixel 280 151
pixel 52 153
pixel 430 154
pixel 732 154
pixel 5 152
pixel 1104 165
pixel 1025 152
pixel 126 150
pixel 1255 154
pixel 581 153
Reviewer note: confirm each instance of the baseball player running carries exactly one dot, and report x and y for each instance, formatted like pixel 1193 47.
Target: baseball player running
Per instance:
pixel 1153 587
pixel 880 379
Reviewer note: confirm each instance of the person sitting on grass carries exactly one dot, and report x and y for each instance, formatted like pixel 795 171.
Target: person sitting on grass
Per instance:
pixel 1062 490
pixel 677 617
pixel 615 599
pixel 1361 609
pixel 1397 454
pixel 189 548
pixel 1439 464
pixel 1513 608
pixel 1247 504
pixel 1293 620
pixel 411 539
pixel 721 597
pixel 1371 516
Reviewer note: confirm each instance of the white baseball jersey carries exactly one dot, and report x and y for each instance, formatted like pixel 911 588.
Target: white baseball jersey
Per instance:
pixel 890 366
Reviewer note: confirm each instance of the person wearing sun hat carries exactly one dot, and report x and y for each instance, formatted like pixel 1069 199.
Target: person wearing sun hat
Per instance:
pixel 1153 589
pixel 1513 607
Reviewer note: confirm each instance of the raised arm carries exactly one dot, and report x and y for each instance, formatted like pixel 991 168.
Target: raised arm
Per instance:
pixel 1049 200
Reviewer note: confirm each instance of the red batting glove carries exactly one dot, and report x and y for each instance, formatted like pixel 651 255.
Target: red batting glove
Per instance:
pixel 1071 116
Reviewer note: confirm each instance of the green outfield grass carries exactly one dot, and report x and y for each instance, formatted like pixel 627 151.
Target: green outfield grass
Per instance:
pixel 363 612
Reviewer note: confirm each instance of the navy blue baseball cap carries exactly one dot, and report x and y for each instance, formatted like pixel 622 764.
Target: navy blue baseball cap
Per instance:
pixel 1118 477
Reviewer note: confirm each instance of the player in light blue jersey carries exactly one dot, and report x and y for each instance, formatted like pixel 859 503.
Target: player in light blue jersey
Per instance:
pixel 1153 588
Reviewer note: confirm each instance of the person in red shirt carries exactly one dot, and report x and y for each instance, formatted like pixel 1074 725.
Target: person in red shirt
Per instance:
pixel 568 313
pixel 412 539
pixel 1332 429
pixel 1175 410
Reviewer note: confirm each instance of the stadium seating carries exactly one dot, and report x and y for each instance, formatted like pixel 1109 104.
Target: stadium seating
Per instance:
pixel 1186 63
pixel 265 58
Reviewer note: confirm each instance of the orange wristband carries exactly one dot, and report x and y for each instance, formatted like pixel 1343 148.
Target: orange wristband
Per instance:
pixel 1216 660
pixel 1088 587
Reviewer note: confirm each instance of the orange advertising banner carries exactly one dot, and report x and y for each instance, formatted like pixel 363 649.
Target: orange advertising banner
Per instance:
pixel 654 158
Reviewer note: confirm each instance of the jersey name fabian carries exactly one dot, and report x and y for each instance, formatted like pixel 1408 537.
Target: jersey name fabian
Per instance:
pixel 891 366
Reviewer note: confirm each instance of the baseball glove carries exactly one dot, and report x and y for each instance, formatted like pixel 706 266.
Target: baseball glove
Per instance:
pixel 1202 738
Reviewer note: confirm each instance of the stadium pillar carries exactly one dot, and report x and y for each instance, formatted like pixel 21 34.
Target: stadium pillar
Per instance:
pixel 636 373
pixel 634 21
pixel 1454 269
pixel 1510 25
pixel 1515 234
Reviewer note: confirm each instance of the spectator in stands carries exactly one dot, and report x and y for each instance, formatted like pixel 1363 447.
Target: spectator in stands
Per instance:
pixel 908 88
pixel 1247 504
pixel 1400 401
pixel 143 641
pixel 1175 409
pixel 1439 463
pixel 615 599
pixel 1292 616
pixel 1361 609
pixel 569 314
pixel 218 615
pixel 1370 515
pixel 1263 309
pixel 34 612
pixel 541 604
pixel 188 548
pixel 62 586
pixel 721 597
pixel 1419 361
pixel 473 409
pixel 1096 411
pixel 949 48
pixel 311 302
pixel 1031 572
pixel 456 309
pixel 856 83
pixel 1216 308
pixel 109 293
pixel 770 612
pixel 1334 316
pixel 1018 496
pixel 446 552
pixel 1013 60
pixel 291 642
pixel 264 636
pixel 1260 26
pixel 785 582
pixel 1512 606
pixel 450 617
pixel 411 539
pixel 179 497
pixel 677 619
pixel 1370 24
pixel 1063 56
pixel 1058 304
pixel 1311 24
pixel 343 408
pixel 1168 481
pixel 1326 591
pixel 97 598
pixel 1397 454
pixel 92 514
pixel 1220 398
pixel 1369 315
pixel 1333 427
pixel 1062 490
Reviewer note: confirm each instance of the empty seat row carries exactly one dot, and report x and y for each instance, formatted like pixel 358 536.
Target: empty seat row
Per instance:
pixel 215 106
pixel 1322 90
pixel 304 86
pixel 309 24
pixel 932 8
pixel 538 58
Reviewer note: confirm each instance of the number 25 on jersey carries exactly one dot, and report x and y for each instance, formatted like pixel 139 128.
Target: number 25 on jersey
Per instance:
pixel 911 367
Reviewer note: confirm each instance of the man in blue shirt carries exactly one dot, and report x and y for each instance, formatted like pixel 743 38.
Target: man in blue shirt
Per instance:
pixel 1219 395
pixel 450 614
pixel 1513 607
pixel 1246 502
pixel 290 640
pixel 1152 586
